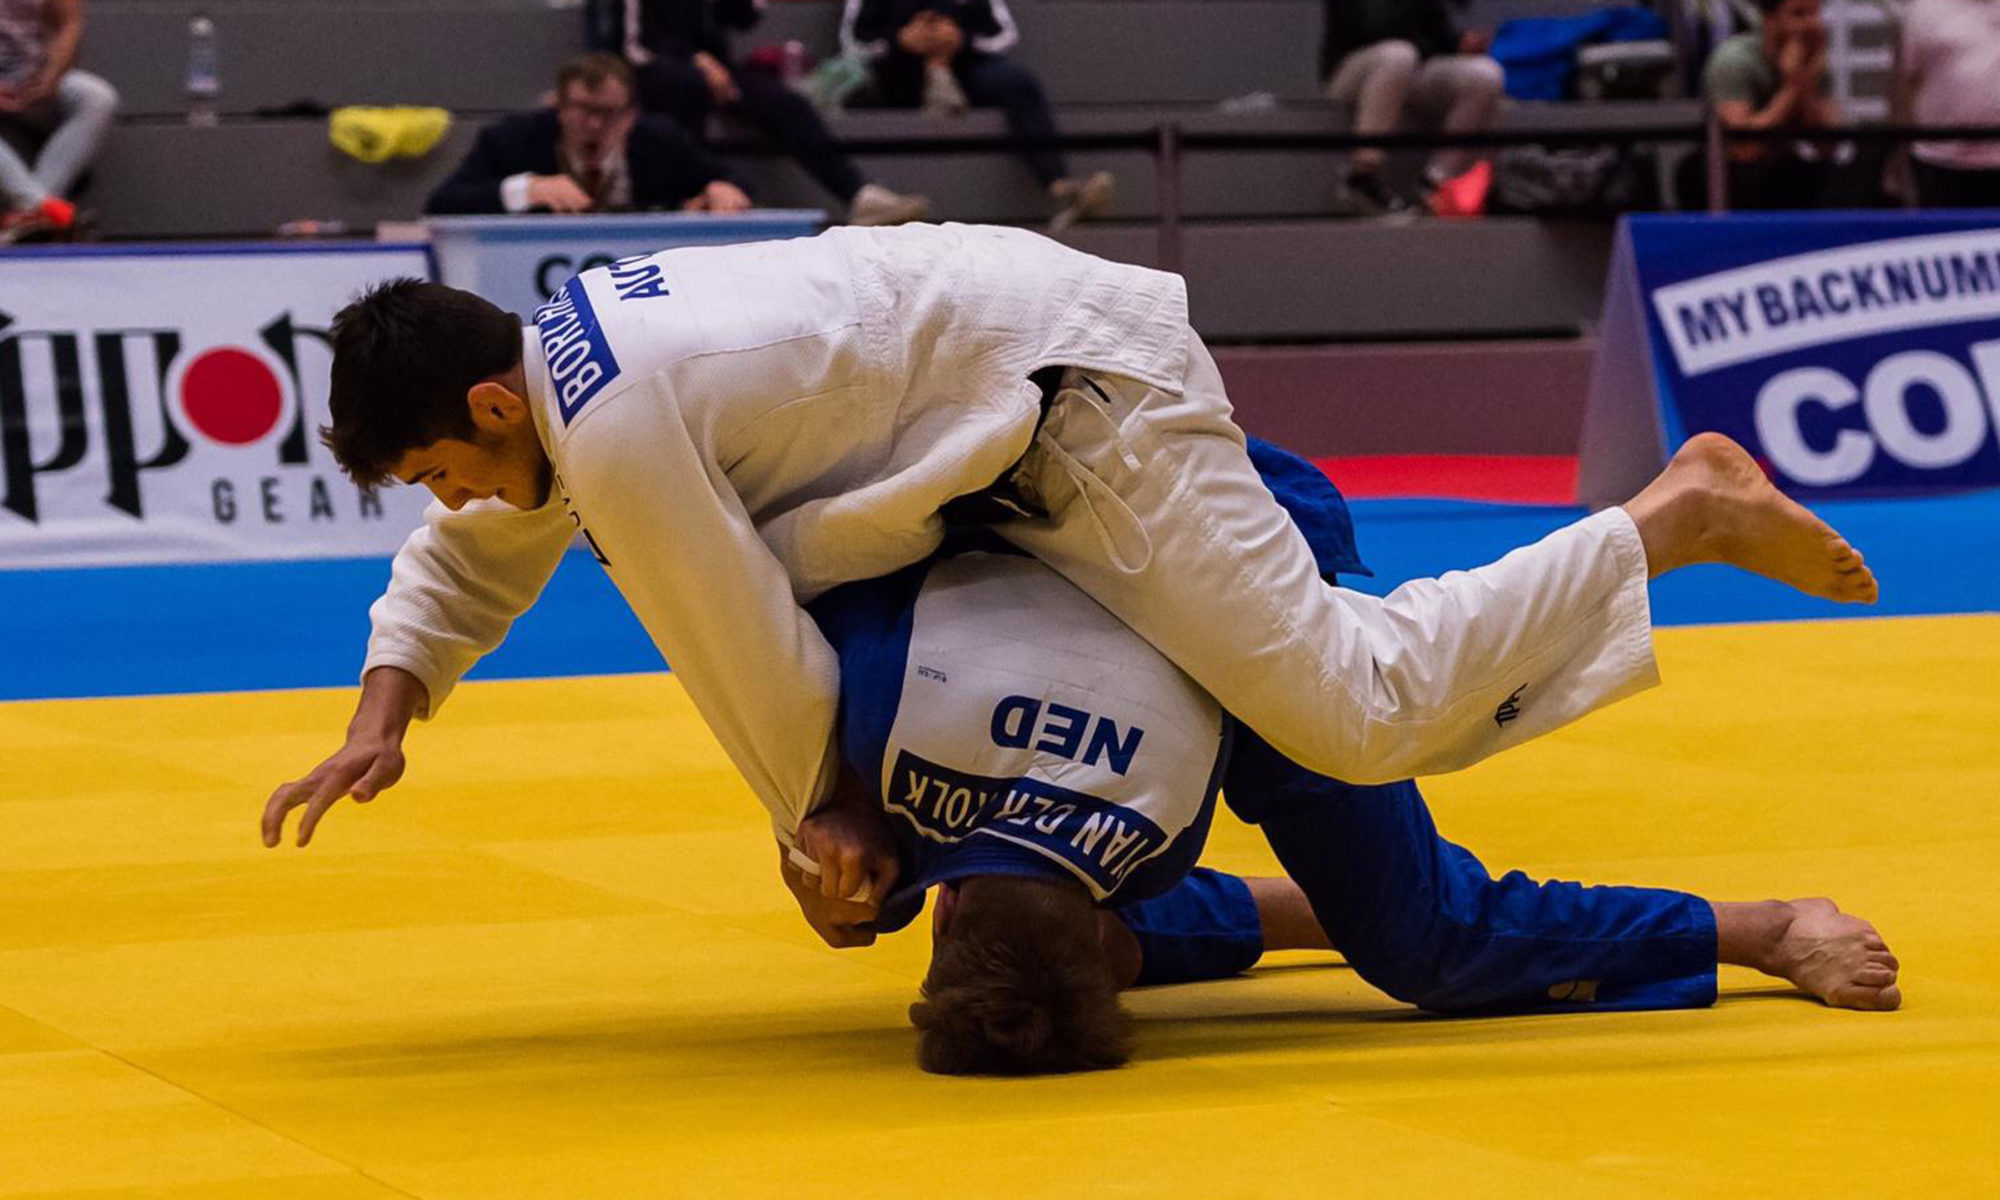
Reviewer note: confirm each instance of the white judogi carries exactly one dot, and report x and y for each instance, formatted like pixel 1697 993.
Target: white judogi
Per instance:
pixel 739 428
pixel 1029 716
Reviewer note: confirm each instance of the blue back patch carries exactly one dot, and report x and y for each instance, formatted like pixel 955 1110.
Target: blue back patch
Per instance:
pixel 580 360
pixel 1100 841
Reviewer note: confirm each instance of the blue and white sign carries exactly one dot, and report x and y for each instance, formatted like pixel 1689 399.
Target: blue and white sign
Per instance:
pixel 1852 353
pixel 517 262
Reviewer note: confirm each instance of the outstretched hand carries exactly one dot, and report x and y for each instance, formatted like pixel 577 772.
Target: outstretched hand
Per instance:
pixel 362 769
pixel 370 762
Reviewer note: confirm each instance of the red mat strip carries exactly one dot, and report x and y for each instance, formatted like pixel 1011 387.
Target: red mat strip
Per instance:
pixel 1497 478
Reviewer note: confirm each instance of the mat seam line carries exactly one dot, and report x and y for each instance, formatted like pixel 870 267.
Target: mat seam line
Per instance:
pixel 362 1171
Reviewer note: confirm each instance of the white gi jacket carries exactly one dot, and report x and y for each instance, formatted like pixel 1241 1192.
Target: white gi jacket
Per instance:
pixel 739 428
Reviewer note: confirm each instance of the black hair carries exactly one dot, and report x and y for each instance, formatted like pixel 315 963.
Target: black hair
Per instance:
pixel 405 353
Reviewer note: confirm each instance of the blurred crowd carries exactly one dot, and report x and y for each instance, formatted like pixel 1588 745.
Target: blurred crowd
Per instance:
pixel 628 125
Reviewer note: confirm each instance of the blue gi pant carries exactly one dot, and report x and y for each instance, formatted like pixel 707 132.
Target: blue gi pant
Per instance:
pixel 1420 917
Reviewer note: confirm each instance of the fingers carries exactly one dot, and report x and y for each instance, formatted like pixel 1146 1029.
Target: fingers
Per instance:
pixel 315 791
pixel 830 859
pixel 387 769
pixel 324 797
pixel 288 797
pixel 851 874
pixel 363 776
pixel 839 873
pixel 881 875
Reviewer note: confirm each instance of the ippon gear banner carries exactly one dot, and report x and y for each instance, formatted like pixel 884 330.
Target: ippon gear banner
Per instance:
pixel 1853 353
pixel 164 406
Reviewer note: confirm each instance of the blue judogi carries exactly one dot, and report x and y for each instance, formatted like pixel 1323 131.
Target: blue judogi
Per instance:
pixel 1414 914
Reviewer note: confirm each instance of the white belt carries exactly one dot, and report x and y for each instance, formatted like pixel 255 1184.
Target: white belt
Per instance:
pixel 1119 530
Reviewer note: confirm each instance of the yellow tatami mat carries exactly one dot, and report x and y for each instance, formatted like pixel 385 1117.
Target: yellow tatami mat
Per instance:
pixel 557 962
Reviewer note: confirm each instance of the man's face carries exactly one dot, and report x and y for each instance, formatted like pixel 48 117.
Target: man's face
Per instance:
pixel 595 120
pixel 502 466
pixel 1794 19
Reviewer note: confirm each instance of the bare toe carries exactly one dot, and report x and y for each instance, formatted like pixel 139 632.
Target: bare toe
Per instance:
pixel 1838 957
pixel 1752 525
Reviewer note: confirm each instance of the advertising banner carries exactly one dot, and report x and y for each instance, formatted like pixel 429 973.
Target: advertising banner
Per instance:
pixel 1854 354
pixel 518 262
pixel 163 405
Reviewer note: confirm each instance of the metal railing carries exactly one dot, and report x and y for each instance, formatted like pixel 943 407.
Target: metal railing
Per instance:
pixel 1170 142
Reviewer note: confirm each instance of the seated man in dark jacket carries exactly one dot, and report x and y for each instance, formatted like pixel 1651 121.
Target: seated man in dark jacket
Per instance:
pixel 680 50
pixel 947 55
pixel 592 152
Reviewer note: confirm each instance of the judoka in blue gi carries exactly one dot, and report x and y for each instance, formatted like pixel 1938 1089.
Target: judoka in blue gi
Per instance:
pixel 1035 760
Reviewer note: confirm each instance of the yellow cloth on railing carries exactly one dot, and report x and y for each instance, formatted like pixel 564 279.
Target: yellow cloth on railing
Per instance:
pixel 376 135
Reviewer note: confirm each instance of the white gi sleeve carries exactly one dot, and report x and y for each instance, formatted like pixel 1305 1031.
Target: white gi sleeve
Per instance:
pixel 457 586
pixel 718 604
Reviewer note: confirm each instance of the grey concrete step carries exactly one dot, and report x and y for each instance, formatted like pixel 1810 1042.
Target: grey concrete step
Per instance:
pixel 247 176
pixel 1302 280
pixel 493 55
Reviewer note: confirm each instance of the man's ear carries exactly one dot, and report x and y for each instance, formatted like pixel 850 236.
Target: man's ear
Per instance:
pixel 495 408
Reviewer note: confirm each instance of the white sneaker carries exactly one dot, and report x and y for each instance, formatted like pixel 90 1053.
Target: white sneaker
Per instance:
pixel 877 205
pixel 1081 199
pixel 942 95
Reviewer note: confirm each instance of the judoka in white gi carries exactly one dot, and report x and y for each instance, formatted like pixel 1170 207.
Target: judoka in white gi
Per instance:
pixel 737 429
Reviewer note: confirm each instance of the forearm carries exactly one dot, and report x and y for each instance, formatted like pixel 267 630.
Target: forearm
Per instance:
pixel 1784 109
pixel 1286 915
pixel 457 586
pixel 390 699
pixel 459 195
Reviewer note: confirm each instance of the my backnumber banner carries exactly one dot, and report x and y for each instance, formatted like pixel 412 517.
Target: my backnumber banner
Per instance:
pixel 163 405
pixel 1854 354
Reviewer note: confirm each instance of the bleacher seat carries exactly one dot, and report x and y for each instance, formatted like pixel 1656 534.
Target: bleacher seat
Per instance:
pixel 1265 263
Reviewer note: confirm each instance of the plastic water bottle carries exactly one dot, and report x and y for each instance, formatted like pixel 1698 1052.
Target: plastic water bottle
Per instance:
pixel 204 77
pixel 792 63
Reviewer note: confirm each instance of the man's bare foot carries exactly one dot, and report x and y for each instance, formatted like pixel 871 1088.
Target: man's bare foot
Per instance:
pixel 1827 953
pixel 1713 505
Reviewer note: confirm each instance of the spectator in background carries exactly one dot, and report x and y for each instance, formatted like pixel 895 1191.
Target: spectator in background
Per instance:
pixel 1776 78
pixel 593 152
pixel 680 49
pixel 946 55
pixel 1951 76
pixel 1382 56
pixel 42 93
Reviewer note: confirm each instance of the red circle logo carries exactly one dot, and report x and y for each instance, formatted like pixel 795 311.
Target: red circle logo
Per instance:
pixel 231 396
